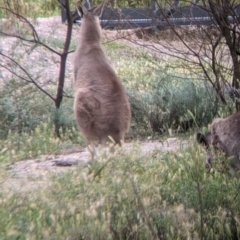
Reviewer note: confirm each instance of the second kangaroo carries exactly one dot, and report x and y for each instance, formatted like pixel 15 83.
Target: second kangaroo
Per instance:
pixel 101 106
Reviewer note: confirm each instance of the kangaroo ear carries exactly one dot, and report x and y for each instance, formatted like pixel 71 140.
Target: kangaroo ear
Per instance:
pixel 81 9
pixel 98 10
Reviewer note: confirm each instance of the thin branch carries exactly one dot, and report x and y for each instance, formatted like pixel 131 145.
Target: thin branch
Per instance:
pixel 38 42
pixel 27 74
pixel 35 39
pixel 61 3
pixel 20 17
pixel 63 56
pixel 14 73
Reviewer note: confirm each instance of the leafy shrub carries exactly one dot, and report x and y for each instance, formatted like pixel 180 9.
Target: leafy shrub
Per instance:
pixel 23 108
pixel 27 119
pixel 175 102
pixel 139 115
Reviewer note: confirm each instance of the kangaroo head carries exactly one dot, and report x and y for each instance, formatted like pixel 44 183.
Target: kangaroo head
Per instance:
pixel 90 13
pixel 90 27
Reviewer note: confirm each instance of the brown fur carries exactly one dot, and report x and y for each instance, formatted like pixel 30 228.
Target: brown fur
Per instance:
pixel 101 105
pixel 224 135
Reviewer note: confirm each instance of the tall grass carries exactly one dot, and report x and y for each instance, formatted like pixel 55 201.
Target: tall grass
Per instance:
pixel 128 196
pixel 38 142
pixel 31 8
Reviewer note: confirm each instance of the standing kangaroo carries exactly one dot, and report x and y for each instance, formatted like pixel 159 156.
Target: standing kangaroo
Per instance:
pixel 101 106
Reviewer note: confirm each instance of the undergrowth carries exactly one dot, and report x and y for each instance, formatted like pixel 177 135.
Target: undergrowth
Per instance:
pixel 128 196
pixel 38 142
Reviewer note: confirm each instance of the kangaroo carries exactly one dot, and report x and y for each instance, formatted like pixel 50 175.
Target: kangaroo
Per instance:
pixel 224 135
pixel 101 105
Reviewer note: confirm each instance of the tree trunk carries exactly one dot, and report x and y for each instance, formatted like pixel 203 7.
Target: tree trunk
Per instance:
pixel 59 96
pixel 221 11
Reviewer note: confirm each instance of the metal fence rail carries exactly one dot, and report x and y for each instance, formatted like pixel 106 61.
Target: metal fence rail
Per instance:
pixel 125 18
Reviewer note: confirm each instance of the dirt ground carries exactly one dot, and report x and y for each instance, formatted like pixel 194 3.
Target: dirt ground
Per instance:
pixel 51 162
pixel 29 174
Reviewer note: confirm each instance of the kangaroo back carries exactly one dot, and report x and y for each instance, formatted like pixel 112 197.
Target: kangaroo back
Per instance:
pixel 224 135
pixel 101 106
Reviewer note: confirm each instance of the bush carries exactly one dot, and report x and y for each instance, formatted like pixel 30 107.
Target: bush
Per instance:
pixel 23 108
pixel 174 102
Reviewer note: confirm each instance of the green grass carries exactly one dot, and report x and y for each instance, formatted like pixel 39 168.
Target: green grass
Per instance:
pixel 136 68
pixel 58 43
pixel 40 141
pixel 127 196
pixel 31 8
pixel 114 45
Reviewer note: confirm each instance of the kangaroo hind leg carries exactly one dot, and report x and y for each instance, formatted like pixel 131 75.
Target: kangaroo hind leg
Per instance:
pixel 86 106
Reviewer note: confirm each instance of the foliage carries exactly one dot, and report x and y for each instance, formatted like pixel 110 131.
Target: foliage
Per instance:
pixel 17 111
pixel 175 101
pixel 27 118
pixel 161 99
pixel 36 143
pixel 32 8
pixel 23 108
pixel 128 196
pixel 164 97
